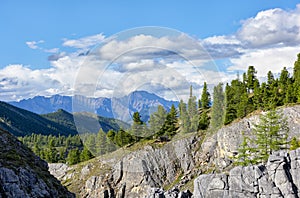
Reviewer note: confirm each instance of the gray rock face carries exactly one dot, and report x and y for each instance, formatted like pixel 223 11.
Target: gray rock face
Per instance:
pixel 142 170
pixel 173 193
pixel 136 173
pixel 149 169
pixel 24 175
pixel 278 178
pixel 224 144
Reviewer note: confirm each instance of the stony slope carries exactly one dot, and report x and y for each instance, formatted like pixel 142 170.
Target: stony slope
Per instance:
pixel 24 175
pixel 143 171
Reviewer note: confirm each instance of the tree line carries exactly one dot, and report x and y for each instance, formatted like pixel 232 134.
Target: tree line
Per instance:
pixel 53 149
pixel 240 97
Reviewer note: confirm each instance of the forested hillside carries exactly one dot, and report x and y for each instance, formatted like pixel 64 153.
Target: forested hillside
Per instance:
pixel 21 122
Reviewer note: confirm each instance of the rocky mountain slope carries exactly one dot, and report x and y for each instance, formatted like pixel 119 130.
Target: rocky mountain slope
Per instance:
pixel 188 164
pixel 24 175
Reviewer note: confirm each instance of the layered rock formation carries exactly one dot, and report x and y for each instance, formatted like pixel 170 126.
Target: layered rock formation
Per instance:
pixel 24 175
pixel 278 178
pixel 135 174
pixel 147 170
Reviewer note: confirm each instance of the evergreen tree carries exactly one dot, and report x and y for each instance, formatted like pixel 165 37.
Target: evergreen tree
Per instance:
pixel 270 78
pixel 101 143
pixel 217 110
pixel 170 126
pixel 251 78
pixel 111 135
pixel 85 155
pixel 205 97
pixel 271 134
pixel 257 97
pixel 283 86
pixel 296 77
pixel 157 119
pixel 203 121
pixel 73 157
pixel 244 156
pixel 294 144
pixel 122 138
pixel 137 130
pixel 192 113
pixel 230 110
pixel 185 121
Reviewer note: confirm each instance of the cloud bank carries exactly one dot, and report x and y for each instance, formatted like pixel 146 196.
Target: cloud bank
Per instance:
pixel 269 41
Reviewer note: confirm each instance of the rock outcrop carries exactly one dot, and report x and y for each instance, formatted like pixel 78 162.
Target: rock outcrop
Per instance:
pixel 217 150
pixel 278 178
pixel 147 170
pixel 135 174
pixel 24 175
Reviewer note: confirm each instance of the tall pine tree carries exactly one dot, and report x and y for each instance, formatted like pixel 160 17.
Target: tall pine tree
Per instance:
pixel 217 110
pixel 296 77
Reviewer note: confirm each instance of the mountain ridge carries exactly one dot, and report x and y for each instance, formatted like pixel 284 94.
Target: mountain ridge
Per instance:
pixel 120 108
pixel 21 122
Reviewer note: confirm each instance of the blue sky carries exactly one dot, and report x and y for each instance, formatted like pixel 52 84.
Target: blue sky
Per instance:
pixel 33 31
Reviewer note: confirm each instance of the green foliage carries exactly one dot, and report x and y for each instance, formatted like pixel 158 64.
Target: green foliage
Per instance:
pixel 205 97
pixel 188 114
pixel 217 110
pixel 203 121
pixel 244 158
pixel 73 156
pixel 51 148
pixel 185 121
pixel 123 138
pixel 294 144
pixel 296 78
pixel 170 126
pixel 271 134
pixel 157 119
pixel 20 122
pixel 86 155
pixel 251 80
pixel 138 129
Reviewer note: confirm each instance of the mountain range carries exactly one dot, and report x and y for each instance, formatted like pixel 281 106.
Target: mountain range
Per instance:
pixel 120 108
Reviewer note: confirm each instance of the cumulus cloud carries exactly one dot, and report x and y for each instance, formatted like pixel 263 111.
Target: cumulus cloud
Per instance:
pixel 271 27
pixel 85 42
pixel 269 41
pixel 165 64
pixel 264 60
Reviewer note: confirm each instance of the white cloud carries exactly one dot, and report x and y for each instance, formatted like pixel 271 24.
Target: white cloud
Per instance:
pixel 264 60
pixel 34 44
pixel 53 50
pixel 163 64
pixel 271 27
pixel 84 42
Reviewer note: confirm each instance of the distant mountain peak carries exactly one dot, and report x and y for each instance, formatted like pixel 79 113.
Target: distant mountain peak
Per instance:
pixel 119 108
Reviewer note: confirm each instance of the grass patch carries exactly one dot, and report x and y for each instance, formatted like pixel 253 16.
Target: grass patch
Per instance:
pixel 176 181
